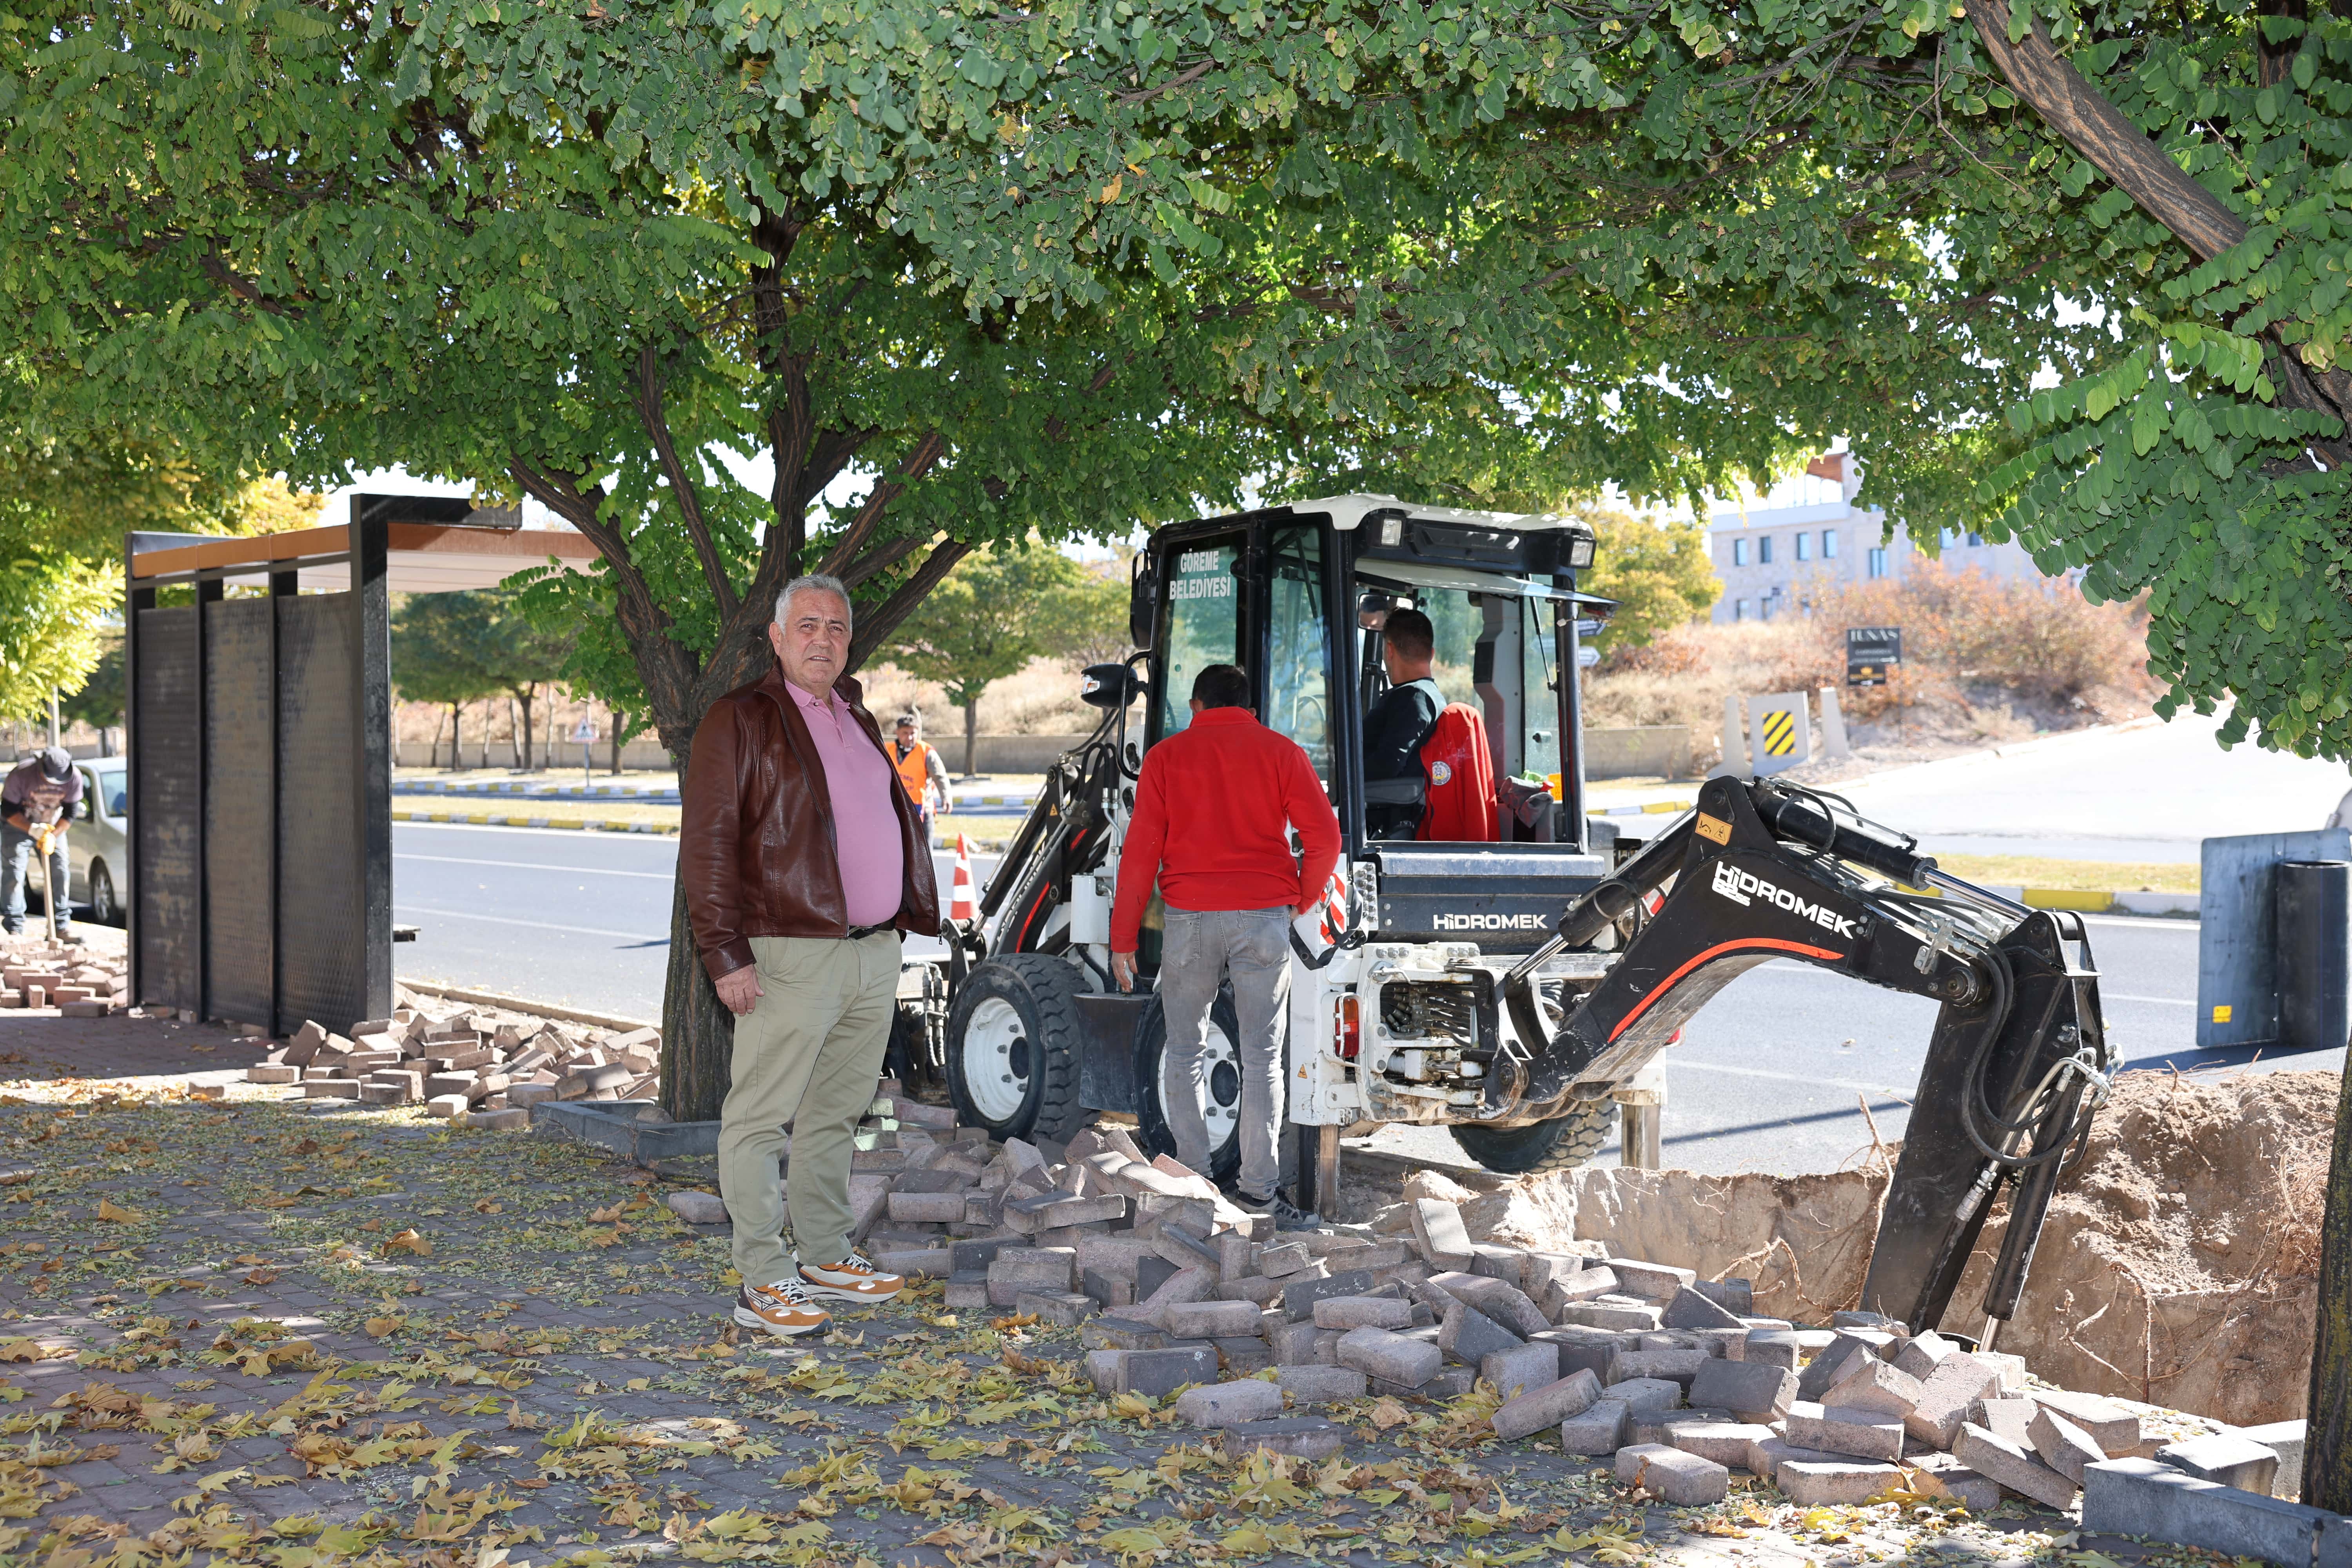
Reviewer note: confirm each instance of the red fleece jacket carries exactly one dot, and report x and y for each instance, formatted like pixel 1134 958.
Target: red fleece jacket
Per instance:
pixel 1210 813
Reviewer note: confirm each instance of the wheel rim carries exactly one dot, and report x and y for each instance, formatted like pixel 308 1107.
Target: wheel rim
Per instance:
pixel 101 895
pixel 996 1059
pixel 1220 1095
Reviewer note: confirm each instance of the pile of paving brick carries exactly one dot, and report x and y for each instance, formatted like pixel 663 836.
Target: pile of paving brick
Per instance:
pixel 79 982
pixel 1675 1379
pixel 478 1066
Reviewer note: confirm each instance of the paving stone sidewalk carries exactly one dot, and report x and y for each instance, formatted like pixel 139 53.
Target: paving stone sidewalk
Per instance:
pixel 281 1332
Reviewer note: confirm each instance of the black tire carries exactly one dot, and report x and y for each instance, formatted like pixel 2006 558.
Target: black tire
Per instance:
pixel 104 907
pixel 1560 1144
pixel 1035 999
pixel 1224 1086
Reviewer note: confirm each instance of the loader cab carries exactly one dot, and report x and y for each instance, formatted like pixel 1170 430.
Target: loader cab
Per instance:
pixel 1297 597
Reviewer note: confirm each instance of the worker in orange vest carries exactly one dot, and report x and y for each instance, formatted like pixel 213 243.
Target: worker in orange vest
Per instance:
pixel 919 768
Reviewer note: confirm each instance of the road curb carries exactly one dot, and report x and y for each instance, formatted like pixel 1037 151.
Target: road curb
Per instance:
pixel 493 819
pixel 525 1004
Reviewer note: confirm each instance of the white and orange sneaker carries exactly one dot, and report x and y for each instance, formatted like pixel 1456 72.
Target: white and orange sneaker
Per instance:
pixel 851 1280
pixel 783 1309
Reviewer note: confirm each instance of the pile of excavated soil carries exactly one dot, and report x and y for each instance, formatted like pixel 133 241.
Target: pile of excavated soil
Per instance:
pixel 2179 1265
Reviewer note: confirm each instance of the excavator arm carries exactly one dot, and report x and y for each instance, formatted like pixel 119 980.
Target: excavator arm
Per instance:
pixel 1762 871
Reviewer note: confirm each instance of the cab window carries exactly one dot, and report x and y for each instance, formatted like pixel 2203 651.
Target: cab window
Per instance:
pixel 1204 624
pixel 1299 661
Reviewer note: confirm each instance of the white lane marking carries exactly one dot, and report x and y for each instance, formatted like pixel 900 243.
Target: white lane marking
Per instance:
pixel 529 925
pixel 540 866
pixel 1789 966
pixel 2167 1000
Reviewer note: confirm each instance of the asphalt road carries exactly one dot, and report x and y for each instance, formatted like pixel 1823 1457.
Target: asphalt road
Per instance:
pixel 1774 1075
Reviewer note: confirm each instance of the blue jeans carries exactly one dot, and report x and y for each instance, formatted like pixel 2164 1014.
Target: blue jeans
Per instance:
pixel 15 861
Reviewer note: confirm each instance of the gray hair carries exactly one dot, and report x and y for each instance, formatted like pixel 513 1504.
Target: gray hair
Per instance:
pixel 815 583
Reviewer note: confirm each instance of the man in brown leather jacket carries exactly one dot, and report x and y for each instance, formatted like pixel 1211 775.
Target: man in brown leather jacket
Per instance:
pixel 802 860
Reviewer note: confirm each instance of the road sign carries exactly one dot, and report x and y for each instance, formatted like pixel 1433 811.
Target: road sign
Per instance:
pixel 584 731
pixel 1589 627
pixel 1870 653
pixel 1586 657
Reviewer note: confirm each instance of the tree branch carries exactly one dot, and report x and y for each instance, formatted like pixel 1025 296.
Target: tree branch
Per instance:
pixel 682 486
pixel 879 559
pixel 919 462
pixel 875 627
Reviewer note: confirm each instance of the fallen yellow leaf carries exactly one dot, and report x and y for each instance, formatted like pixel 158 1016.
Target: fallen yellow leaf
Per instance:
pixel 108 1209
pixel 408 1241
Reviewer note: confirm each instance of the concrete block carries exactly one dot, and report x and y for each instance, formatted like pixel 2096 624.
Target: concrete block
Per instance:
pixel 1317 1384
pixel 1736 1297
pixel 2012 1374
pixel 1058 1308
pixel 1108 1290
pixel 1507 1264
pixel 1978 1494
pixel 1767 1455
pixel 1609 1315
pixel 1161 1372
pixel 1687 1308
pixel 929 1262
pixel 1870 1383
pixel 1753 1390
pixel 927 1208
pixel 698 1208
pixel 2228 1458
pixel 1685 1481
pixel 966 1290
pixel 1581 1286
pixel 1445 1383
pixel 1243 1356
pixel 1469 1336
pixel 1600 1429
pixel 2283 1439
pixel 1656 1281
pixel 1681 1366
pixel 2022 1471
pixel 1151 1273
pixel 2065 1446
pixel 1390 1356
pixel 1113 1330
pixel 1660 1425
pixel 1642 1394
pixel 1282 1261
pixel 1511 1373
pixel 1019 1268
pixel 1947 1395
pixel 1727 1443
pixel 2009 1419
pixel 1293 1437
pixel 1299 1296
pixel 1362 1312
pixel 2141 1496
pixel 1437 1231
pixel 1293 1343
pixel 1227 1403
pixel 1922 1355
pixel 2113 1429
pixel 1772 1347
pixel 1828 1365
pixel 1255 1289
pixel 1208 1319
pixel 1862 1434
pixel 1589 1349
pixel 1840 1483
pixel 1181 1289
pixel 1102 1370
pixel 1549 1404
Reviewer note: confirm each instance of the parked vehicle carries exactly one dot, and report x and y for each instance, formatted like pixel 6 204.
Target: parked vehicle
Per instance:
pixel 97 847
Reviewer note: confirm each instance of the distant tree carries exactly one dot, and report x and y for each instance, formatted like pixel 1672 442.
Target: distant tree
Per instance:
pixel 1087 621
pixel 98 703
pixel 521 656
pixel 987 619
pixel 437 641
pixel 1656 568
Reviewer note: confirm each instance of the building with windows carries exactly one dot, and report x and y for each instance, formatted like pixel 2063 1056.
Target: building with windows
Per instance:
pixel 1772 553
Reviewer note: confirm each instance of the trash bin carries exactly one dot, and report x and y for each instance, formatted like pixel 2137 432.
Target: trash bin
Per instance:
pixel 2313 904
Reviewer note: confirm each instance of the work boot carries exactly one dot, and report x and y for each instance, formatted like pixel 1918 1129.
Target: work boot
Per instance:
pixel 851 1280
pixel 781 1308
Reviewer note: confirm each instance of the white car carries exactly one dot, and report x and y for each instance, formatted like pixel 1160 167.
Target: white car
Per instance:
pixel 97 846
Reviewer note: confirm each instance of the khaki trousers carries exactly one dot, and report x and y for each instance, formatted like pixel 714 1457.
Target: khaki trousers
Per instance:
pixel 809 1052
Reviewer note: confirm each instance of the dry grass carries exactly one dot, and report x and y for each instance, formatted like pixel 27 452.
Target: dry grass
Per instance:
pixel 1042 700
pixel 2033 872
pixel 1985 660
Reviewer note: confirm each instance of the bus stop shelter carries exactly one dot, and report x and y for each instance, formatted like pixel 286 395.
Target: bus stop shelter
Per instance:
pixel 259 736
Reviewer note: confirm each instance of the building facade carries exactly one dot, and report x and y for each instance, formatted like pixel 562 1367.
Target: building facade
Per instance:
pixel 1772 556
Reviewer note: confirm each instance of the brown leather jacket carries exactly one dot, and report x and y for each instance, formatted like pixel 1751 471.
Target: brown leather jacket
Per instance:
pixel 755 853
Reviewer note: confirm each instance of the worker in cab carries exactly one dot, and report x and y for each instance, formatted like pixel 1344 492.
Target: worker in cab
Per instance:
pixel 1214 808
pixel 919 768
pixel 1399 721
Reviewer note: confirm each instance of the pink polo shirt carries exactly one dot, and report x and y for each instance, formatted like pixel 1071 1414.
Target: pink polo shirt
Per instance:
pixel 866 843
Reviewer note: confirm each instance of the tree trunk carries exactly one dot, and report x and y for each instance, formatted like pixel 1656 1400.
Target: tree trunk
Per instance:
pixel 514 740
pixel 2327 1446
pixel 526 728
pixel 970 736
pixel 697 1031
pixel 616 745
pixel 457 736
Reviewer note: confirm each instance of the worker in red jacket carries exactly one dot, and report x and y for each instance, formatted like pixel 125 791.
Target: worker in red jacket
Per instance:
pixel 1212 813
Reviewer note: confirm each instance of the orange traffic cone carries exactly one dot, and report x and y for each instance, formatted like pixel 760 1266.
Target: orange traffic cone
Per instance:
pixel 961 906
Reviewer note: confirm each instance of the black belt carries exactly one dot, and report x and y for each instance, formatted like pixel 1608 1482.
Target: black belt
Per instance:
pixel 859 933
